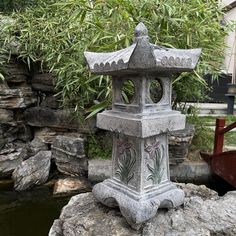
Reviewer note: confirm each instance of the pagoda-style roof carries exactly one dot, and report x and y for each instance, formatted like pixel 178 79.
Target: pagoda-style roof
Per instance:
pixel 143 56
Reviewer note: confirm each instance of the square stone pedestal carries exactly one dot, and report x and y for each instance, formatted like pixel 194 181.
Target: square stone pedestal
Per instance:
pixel 140 182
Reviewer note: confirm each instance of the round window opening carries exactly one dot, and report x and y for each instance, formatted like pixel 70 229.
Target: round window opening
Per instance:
pixel 128 91
pixel 156 90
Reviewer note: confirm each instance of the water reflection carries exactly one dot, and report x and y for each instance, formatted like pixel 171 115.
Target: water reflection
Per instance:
pixel 30 213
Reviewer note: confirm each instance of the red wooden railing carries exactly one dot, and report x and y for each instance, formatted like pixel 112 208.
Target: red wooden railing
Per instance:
pixel 222 163
pixel 220 130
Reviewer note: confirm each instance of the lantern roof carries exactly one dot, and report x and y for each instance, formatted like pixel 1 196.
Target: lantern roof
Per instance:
pixel 142 56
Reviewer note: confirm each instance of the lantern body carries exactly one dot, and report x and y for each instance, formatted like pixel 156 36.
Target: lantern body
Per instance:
pixel 140 181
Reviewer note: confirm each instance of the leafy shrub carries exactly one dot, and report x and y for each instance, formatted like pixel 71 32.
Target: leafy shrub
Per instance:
pixel 56 33
pixel 13 5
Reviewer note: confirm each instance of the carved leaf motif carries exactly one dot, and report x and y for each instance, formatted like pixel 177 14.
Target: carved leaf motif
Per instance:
pixel 156 153
pixel 126 163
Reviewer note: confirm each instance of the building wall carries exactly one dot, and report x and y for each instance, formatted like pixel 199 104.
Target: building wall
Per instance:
pixel 230 40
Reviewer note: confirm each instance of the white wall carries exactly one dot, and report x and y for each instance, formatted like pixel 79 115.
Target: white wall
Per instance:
pixel 225 2
pixel 230 40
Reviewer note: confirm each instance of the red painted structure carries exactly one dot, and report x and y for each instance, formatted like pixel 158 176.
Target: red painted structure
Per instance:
pixel 222 163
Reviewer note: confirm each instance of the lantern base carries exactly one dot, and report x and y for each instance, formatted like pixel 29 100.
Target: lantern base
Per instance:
pixel 138 208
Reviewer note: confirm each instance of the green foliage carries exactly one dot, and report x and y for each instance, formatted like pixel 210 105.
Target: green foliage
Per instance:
pixel 13 5
pixel 203 137
pixel 56 33
pixel 7 41
pixel 99 146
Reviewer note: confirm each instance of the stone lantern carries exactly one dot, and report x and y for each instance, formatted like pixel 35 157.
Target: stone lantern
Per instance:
pixel 140 181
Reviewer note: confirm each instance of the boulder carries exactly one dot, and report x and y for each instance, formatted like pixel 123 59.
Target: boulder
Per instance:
pixel 50 101
pixel 203 213
pixel 16 98
pixel 24 132
pixel 10 159
pixel 71 185
pixel 68 153
pixel 43 82
pixel 11 131
pixel 57 119
pixel 33 171
pixel 47 135
pixel 36 145
pixel 15 72
pixel 6 115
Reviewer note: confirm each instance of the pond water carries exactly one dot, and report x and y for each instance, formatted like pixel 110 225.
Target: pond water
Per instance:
pixel 30 213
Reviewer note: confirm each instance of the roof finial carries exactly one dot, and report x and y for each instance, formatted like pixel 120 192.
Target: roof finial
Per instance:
pixel 140 31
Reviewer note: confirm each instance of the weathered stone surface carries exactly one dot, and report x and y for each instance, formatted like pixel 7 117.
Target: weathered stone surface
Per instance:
pixel 33 171
pixel 179 142
pixel 11 131
pixel 47 135
pixel 85 216
pixel 3 85
pixel 16 98
pixel 6 116
pixel 8 131
pixel 33 147
pixel 57 119
pixel 15 71
pixel 50 102
pixel 188 171
pixel 99 170
pixel 198 217
pixel 24 132
pixel 69 155
pixel 43 82
pixel 203 213
pixel 73 146
pixel 71 185
pixel 10 159
pixel 37 145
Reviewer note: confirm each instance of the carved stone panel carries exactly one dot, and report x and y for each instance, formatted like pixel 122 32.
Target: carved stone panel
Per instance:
pixel 155 161
pixel 126 161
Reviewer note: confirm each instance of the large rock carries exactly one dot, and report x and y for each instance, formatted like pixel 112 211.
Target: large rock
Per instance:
pixel 46 117
pixel 50 101
pixel 69 155
pixel 203 214
pixel 47 135
pixel 36 145
pixel 11 131
pixel 33 171
pixel 16 98
pixel 71 185
pixel 10 159
pixel 6 116
pixel 15 72
pixel 43 82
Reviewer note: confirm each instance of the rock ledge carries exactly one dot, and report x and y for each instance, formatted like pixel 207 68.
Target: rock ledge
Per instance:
pixel 203 213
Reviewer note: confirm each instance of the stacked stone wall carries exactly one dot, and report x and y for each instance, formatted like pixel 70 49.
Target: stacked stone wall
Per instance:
pixel 31 120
